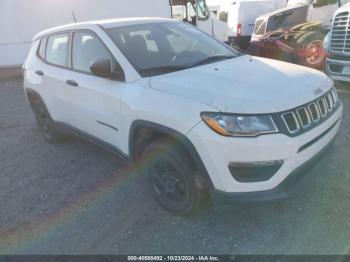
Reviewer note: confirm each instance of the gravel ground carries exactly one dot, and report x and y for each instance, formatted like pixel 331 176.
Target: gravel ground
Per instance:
pixel 75 198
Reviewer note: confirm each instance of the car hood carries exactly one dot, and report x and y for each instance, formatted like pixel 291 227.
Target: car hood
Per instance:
pixel 246 84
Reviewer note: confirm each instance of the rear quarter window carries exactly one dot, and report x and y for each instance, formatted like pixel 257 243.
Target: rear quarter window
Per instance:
pixel 42 48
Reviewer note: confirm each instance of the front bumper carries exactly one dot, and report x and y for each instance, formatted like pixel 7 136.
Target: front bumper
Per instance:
pixel 288 188
pixel 335 67
pixel 217 152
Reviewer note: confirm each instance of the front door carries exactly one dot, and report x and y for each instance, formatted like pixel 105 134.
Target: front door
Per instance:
pixel 96 100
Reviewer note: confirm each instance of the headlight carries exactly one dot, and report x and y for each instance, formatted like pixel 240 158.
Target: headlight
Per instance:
pixel 239 125
pixel 326 42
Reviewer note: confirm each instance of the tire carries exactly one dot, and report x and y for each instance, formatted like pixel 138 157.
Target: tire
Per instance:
pixel 45 122
pixel 310 52
pixel 172 179
pixel 243 43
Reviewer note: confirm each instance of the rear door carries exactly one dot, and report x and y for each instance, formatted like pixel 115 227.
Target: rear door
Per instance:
pixel 53 71
pixel 95 100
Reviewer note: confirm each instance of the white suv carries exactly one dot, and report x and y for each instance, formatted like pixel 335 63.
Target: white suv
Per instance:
pixel 197 116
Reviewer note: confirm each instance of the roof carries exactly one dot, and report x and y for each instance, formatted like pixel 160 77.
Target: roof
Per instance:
pixel 108 23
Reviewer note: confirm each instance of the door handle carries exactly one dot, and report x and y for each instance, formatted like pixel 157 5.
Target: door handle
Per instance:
pixel 71 83
pixel 39 73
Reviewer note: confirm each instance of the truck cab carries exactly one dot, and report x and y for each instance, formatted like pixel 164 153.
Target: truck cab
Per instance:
pixel 296 12
pixel 337 45
pixel 295 33
pixel 196 12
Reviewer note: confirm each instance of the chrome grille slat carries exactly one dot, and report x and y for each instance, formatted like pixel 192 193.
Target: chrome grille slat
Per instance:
pixel 329 101
pixel 294 118
pixel 305 116
pixel 340 33
pixel 317 116
pixel 322 106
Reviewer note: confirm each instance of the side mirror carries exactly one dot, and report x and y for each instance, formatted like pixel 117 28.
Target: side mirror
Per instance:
pixel 103 68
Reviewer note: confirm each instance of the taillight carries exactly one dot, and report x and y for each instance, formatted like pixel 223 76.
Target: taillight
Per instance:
pixel 239 30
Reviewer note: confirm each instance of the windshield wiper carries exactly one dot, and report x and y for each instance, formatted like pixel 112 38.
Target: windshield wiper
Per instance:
pixel 211 59
pixel 160 70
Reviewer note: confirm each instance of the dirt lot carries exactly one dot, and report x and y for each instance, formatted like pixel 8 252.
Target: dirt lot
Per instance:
pixel 75 198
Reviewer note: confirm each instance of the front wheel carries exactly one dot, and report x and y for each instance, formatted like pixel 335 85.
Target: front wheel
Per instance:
pixel 310 50
pixel 172 179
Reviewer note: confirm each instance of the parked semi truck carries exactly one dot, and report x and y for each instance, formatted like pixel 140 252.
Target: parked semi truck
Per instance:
pixel 295 33
pixel 337 44
pixel 21 20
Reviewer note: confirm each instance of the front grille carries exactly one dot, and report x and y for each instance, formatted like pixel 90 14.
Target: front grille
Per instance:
pixel 340 36
pixel 307 116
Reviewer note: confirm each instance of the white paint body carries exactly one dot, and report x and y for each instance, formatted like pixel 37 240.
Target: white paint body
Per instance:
pixel 22 19
pixel 175 100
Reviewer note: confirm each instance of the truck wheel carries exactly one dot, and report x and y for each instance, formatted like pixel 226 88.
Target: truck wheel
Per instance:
pixel 243 43
pixel 45 122
pixel 171 178
pixel 310 50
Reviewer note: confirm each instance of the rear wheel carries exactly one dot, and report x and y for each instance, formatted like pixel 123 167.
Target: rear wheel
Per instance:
pixel 172 179
pixel 310 50
pixel 45 122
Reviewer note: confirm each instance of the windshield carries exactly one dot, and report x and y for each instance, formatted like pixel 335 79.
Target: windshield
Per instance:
pixel 157 48
pixel 287 19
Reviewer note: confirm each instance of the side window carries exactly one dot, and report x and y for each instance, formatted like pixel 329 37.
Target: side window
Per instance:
pixel 320 3
pixel 42 48
pixel 57 49
pixel 202 10
pixel 86 49
pixel 178 12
